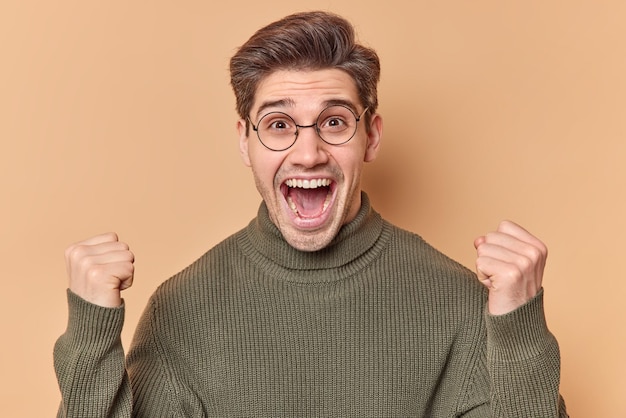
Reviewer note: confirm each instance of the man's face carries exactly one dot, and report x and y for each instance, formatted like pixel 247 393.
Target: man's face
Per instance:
pixel 309 218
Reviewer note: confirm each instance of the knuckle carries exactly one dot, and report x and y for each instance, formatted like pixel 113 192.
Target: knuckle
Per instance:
pixel 83 262
pixel 535 254
pixel 525 264
pixel 110 237
pixel 514 274
pixel 505 225
pixel 94 272
pixel 490 236
pixel 68 251
pixel 130 268
pixel 538 255
pixel 75 252
pixel 122 246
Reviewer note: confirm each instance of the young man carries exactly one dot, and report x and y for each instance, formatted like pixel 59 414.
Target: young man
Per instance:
pixel 319 307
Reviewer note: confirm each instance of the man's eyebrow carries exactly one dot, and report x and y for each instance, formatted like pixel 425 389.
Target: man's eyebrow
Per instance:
pixel 274 103
pixel 283 103
pixel 341 102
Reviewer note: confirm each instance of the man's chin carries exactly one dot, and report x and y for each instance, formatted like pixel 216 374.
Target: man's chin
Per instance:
pixel 308 233
pixel 309 240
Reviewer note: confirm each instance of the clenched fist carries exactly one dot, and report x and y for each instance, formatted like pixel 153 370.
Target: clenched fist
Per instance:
pixel 99 268
pixel 510 264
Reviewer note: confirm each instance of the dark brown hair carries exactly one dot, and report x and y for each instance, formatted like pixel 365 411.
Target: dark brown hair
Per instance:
pixel 304 41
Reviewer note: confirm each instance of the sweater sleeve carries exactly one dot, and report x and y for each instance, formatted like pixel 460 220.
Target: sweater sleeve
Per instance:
pixel 523 362
pixel 151 377
pixel 89 362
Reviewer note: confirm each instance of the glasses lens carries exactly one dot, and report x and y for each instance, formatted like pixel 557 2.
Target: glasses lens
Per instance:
pixel 277 131
pixel 336 124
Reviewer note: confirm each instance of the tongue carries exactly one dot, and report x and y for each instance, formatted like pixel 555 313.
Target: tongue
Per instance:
pixel 310 202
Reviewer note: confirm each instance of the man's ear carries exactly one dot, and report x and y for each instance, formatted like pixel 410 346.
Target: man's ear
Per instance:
pixel 243 142
pixel 374 137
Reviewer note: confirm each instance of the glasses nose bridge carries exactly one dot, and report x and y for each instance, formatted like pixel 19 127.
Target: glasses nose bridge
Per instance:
pixel 313 125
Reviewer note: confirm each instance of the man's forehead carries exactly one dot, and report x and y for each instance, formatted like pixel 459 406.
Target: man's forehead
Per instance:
pixel 293 89
pixel 288 104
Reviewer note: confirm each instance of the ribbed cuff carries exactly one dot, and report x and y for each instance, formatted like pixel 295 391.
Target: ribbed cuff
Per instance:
pixel 520 334
pixel 90 327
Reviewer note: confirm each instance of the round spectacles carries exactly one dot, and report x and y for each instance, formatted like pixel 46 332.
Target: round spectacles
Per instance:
pixel 335 125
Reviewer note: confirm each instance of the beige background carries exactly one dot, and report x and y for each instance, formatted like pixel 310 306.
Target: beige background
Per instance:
pixel 118 115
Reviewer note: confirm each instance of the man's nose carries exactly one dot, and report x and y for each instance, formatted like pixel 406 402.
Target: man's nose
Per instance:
pixel 309 149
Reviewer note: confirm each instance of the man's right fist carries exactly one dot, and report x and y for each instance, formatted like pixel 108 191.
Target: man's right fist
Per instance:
pixel 99 268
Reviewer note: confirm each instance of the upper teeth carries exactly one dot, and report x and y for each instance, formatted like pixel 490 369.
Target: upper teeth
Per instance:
pixel 308 184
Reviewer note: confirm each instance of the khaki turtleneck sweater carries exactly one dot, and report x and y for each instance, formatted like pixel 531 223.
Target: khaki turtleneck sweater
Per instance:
pixel 378 324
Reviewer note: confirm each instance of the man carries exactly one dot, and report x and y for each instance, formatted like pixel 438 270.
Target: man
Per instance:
pixel 319 307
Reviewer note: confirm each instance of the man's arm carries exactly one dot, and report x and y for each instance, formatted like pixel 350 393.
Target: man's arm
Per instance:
pixel 88 357
pixel 522 355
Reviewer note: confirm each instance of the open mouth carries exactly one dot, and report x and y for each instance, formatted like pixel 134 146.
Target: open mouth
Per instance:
pixel 308 198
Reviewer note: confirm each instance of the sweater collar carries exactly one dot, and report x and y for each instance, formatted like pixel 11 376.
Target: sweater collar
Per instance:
pixel 352 241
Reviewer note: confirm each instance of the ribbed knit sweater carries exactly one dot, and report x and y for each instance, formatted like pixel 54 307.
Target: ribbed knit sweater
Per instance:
pixel 378 324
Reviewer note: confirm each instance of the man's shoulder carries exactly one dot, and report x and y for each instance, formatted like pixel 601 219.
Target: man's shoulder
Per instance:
pixel 413 248
pixel 214 264
pixel 433 278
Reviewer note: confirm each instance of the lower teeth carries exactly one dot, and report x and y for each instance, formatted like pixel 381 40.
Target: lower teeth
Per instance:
pixel 294 208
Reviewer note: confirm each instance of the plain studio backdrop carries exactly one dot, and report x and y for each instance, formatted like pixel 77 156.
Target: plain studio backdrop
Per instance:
pixel 118 116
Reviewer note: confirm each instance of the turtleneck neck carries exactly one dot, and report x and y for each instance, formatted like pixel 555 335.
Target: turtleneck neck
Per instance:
pixel 352 246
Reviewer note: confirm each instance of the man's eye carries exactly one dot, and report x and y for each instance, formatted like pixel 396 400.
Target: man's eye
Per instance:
pixel 333 123
pixel 278 125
